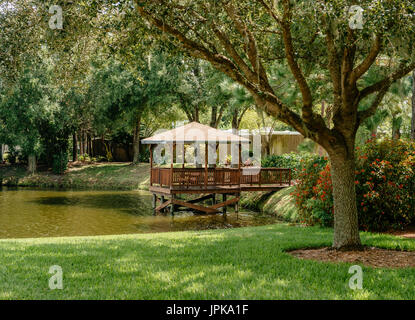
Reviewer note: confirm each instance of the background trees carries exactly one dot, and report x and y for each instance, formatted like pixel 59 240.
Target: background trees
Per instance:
pixel 109 72
pixel 34 116
pixel 321 47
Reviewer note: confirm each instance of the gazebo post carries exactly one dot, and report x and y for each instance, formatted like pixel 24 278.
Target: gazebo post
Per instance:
pixel 240 177
pixel 172 162
pixel 239 162
pixel 183 156
pixel 206 164
pixel 171 177
pixel 151 164
pixel 154 196
pixel 240 155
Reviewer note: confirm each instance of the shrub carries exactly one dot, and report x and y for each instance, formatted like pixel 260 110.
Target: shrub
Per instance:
pixel 289 160
pixel 385 187
pixel 84 158
pixel 306 191
pixel 144 156
pixel 60 163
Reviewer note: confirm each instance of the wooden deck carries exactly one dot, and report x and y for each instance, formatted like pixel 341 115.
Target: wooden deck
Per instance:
pixel 217 180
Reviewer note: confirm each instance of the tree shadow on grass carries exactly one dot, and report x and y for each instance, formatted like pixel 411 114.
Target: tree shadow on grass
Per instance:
pixel 232 264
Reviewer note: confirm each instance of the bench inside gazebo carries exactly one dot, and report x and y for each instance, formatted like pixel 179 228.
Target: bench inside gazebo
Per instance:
pixel 205 178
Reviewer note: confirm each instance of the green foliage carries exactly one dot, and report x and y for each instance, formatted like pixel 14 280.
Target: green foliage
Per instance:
pixel 60 163
pixel 84 158
pixel 385 184
pixel 145 156
pixel 289 160
pixel 306 193
pixel 320 205
pixel 34 113
pixel 385 187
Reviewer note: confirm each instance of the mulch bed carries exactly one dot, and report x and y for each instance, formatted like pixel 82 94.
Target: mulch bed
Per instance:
pixel 372 257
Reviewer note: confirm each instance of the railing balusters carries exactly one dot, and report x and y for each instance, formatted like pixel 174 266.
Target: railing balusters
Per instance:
pixel 195 177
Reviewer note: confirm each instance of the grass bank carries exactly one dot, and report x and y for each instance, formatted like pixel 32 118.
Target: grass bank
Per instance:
pixel 280 204
pixel 105 176
pixel 245 263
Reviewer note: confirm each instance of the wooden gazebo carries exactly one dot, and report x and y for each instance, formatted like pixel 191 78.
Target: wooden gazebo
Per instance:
pixel 170 181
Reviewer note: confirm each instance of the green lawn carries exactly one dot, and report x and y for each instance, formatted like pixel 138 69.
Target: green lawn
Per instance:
pixel 246 263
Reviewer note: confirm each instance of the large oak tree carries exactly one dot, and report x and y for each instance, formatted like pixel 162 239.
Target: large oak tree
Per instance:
pixel 324 45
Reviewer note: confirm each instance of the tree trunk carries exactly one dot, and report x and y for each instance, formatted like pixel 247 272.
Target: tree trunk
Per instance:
pixel 89 144
pixel 74 148
pixel 136 141
pixel 396 128
pixel 1 153
pixel 81 143
pixel 31 163
pixel 196 115
pixel 213 117
pixel 346 231
pixel 86 144
pixel 413 107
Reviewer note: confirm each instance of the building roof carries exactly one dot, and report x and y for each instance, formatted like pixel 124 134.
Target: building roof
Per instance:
pixel 193 132
pixel 266 130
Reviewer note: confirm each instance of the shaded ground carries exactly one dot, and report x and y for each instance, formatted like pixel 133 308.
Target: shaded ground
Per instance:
pixel 408 233
pixel 370 256
pixel 105 176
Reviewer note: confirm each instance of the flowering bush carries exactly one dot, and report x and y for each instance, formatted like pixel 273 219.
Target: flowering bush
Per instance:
pixel 288 160
pixel 309 197
pixel 385 187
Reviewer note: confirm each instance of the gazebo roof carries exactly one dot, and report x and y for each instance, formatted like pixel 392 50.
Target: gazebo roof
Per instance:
pixel 193 132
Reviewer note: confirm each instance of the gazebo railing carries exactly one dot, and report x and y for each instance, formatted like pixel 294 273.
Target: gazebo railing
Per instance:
pixel 264 176
pixel 196 177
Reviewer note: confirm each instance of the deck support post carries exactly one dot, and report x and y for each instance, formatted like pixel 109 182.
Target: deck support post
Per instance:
pixel 224 207
pixel 154 201
pixel 237 204
pixel 172 206
pixel 161 200
pixel 213 198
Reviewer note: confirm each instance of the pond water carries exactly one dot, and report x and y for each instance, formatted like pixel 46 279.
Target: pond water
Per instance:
pixel 28 213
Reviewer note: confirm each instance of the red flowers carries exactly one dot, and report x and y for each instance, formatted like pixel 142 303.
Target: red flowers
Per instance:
pixel 383 183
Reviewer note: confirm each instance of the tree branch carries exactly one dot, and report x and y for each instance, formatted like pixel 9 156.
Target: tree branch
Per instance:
pixel 293 64
pixel 270 103
pixel 363 115
pixel 251 48
pixel 361 69
pixel 270 11
pixel 334 64
pixel 398 74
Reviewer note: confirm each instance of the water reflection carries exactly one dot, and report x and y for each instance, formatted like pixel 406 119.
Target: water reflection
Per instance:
pixel 45 213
